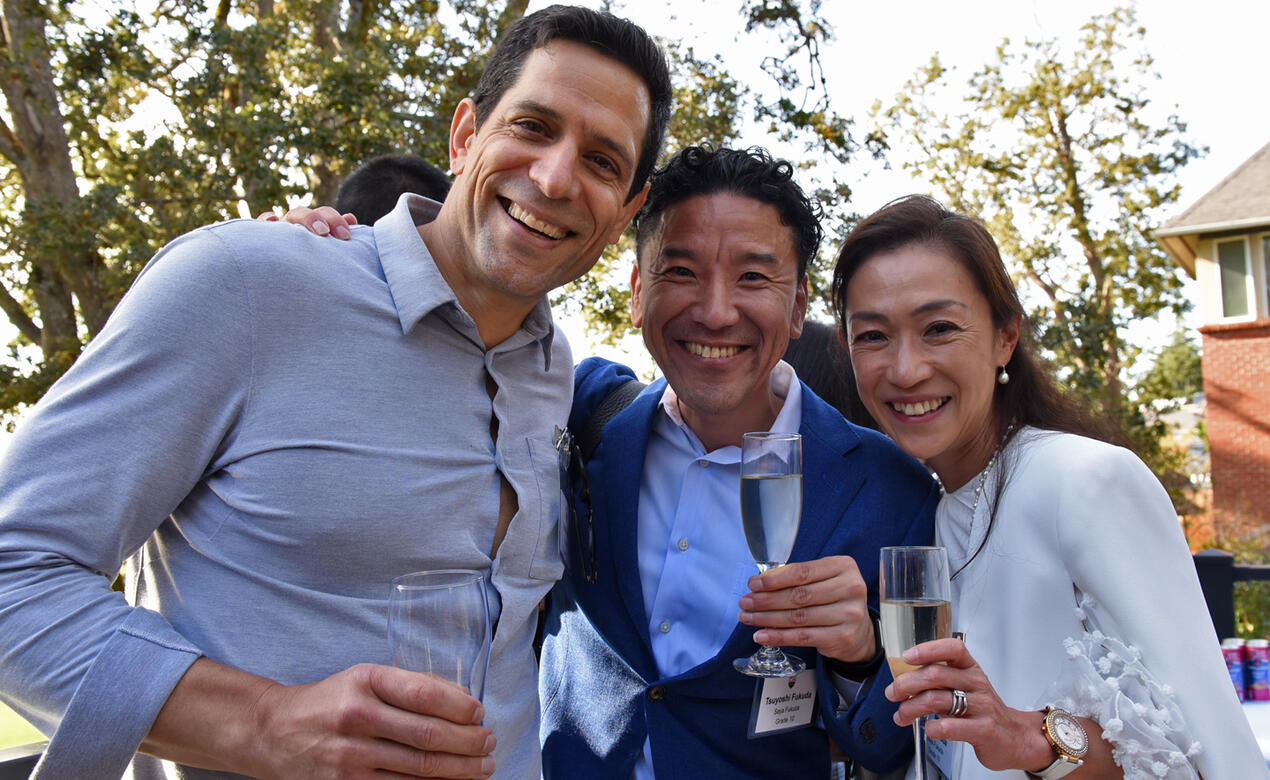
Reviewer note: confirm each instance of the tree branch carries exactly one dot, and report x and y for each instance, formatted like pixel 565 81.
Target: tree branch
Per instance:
pixel 18 316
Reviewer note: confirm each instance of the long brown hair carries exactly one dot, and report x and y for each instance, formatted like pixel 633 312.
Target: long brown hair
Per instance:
pixel 1031 397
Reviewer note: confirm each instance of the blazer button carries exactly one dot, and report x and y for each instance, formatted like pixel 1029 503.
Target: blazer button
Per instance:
pixel 657 693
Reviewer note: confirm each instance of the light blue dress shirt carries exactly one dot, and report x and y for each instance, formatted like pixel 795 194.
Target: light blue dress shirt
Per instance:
pixel 694 563
pixel 272 426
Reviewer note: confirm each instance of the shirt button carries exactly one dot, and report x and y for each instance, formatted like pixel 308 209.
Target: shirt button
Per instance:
pixel 657 692
pixel 683 544
pixel 664 627
pixel 702 462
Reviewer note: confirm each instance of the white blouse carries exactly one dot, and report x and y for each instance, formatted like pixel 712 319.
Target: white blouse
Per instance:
pixel 1082 519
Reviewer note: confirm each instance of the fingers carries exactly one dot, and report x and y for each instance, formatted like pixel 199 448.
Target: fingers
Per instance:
pixel 793 575
pixel 267 216
pixel 372 720
pixel 950 651
pixel 453 722
pixel 806 584
pixel 322 220
pixel 412 763
pixel 937 701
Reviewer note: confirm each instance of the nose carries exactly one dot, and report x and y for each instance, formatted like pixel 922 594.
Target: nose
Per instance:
pixel 909 365
pixel 555 170
pixel 717 305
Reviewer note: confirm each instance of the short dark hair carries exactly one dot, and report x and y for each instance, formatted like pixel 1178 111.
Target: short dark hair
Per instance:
pixel 612 36
pixel 372 190
pixel 750 173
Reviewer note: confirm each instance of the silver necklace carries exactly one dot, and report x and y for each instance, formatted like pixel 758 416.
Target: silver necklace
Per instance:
pixel 983 475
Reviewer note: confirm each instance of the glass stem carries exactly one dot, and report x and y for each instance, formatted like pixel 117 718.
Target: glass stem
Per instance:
pixel 919 745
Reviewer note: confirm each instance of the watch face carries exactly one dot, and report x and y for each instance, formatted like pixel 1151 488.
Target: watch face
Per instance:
pixel 1068 731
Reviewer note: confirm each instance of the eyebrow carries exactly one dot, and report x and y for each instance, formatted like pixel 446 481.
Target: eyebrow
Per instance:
pixel 611 144
pixel 763 258
pixel 930 306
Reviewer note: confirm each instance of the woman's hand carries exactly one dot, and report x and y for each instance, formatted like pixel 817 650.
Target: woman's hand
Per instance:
pixel 1002 737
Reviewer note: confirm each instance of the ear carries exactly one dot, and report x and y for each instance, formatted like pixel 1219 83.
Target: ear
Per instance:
pixel 637 297
pixel 628 213
pixel 462 132
pixel 800 310
pixel 1007 340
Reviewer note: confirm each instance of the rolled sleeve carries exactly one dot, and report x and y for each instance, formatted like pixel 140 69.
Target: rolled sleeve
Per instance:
pixel 117 700
pixel 104 459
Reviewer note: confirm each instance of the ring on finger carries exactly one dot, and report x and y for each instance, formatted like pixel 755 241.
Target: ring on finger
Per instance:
pixel 959 704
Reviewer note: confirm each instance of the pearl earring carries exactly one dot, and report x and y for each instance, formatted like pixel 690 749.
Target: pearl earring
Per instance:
pixel 1003 376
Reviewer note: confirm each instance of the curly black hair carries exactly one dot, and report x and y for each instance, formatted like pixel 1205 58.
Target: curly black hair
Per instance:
pixel 751 173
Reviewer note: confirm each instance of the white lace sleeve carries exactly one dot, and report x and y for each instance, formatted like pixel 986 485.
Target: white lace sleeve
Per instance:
pixel 1105 680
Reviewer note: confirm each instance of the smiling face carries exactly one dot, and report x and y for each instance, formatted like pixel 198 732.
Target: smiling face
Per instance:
pixel 718 297
pixel 541 188
pixel 925 353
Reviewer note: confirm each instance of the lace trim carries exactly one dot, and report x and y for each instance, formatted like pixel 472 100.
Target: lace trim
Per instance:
pixel 1105 680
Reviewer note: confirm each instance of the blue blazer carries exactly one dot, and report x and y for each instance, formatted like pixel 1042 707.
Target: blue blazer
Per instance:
pixel 601 692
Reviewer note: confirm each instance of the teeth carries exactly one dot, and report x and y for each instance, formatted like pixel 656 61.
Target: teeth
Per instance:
pixel 705 351
pixel 529 220
pixel 918 409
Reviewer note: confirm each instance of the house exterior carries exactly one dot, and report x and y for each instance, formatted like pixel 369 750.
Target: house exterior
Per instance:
pixel 1223 241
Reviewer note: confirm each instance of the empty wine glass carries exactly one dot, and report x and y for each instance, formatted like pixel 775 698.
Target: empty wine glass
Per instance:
pixel 438 623
pixel 771 509
pixel 916 608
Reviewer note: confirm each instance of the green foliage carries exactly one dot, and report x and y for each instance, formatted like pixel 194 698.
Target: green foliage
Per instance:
pixel 125 126
pixel 1066 160
pixel 1252 609
pixel 176 114
pixel 1175 375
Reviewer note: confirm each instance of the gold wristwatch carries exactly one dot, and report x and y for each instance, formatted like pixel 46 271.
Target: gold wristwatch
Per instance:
pixel 1068 738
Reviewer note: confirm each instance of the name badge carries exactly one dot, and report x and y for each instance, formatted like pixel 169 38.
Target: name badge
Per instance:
pixel 939 758
pixel 783 704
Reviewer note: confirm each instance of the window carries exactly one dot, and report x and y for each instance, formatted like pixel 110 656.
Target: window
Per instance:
pixel 1232 258
pixel 1265 262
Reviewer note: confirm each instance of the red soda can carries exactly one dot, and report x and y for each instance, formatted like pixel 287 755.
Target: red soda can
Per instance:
pixel 1233 650
pixel 1257 653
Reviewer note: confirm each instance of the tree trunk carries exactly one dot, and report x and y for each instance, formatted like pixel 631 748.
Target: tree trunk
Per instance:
pixel 41 152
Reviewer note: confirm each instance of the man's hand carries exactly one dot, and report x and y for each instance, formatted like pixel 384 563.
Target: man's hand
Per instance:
pixel 366 721
pixel 322 220
pixel 818 604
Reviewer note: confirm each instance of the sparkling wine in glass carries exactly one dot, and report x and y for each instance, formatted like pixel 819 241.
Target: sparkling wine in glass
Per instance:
pixel 771 509
pixel 438 623
pixel 916 608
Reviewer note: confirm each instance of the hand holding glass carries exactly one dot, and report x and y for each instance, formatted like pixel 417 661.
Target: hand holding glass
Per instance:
pixel 916 608
pixel 771 509
pixel 438 623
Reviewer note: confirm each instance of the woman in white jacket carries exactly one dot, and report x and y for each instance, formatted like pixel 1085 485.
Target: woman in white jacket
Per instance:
pixel 1088 647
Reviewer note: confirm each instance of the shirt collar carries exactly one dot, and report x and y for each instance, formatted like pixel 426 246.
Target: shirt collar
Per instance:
pixel 418 288
pixel 784 384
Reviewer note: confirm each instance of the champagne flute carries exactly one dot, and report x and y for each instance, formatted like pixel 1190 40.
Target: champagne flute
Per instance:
pixel 771 509
pixel 438 623
pixel 916 608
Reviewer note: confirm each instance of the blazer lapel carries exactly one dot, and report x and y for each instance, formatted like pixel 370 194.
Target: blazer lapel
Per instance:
pixel 828 485
pixel 621 461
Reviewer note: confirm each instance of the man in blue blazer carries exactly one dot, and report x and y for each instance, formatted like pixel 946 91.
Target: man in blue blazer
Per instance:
pixel 657 598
